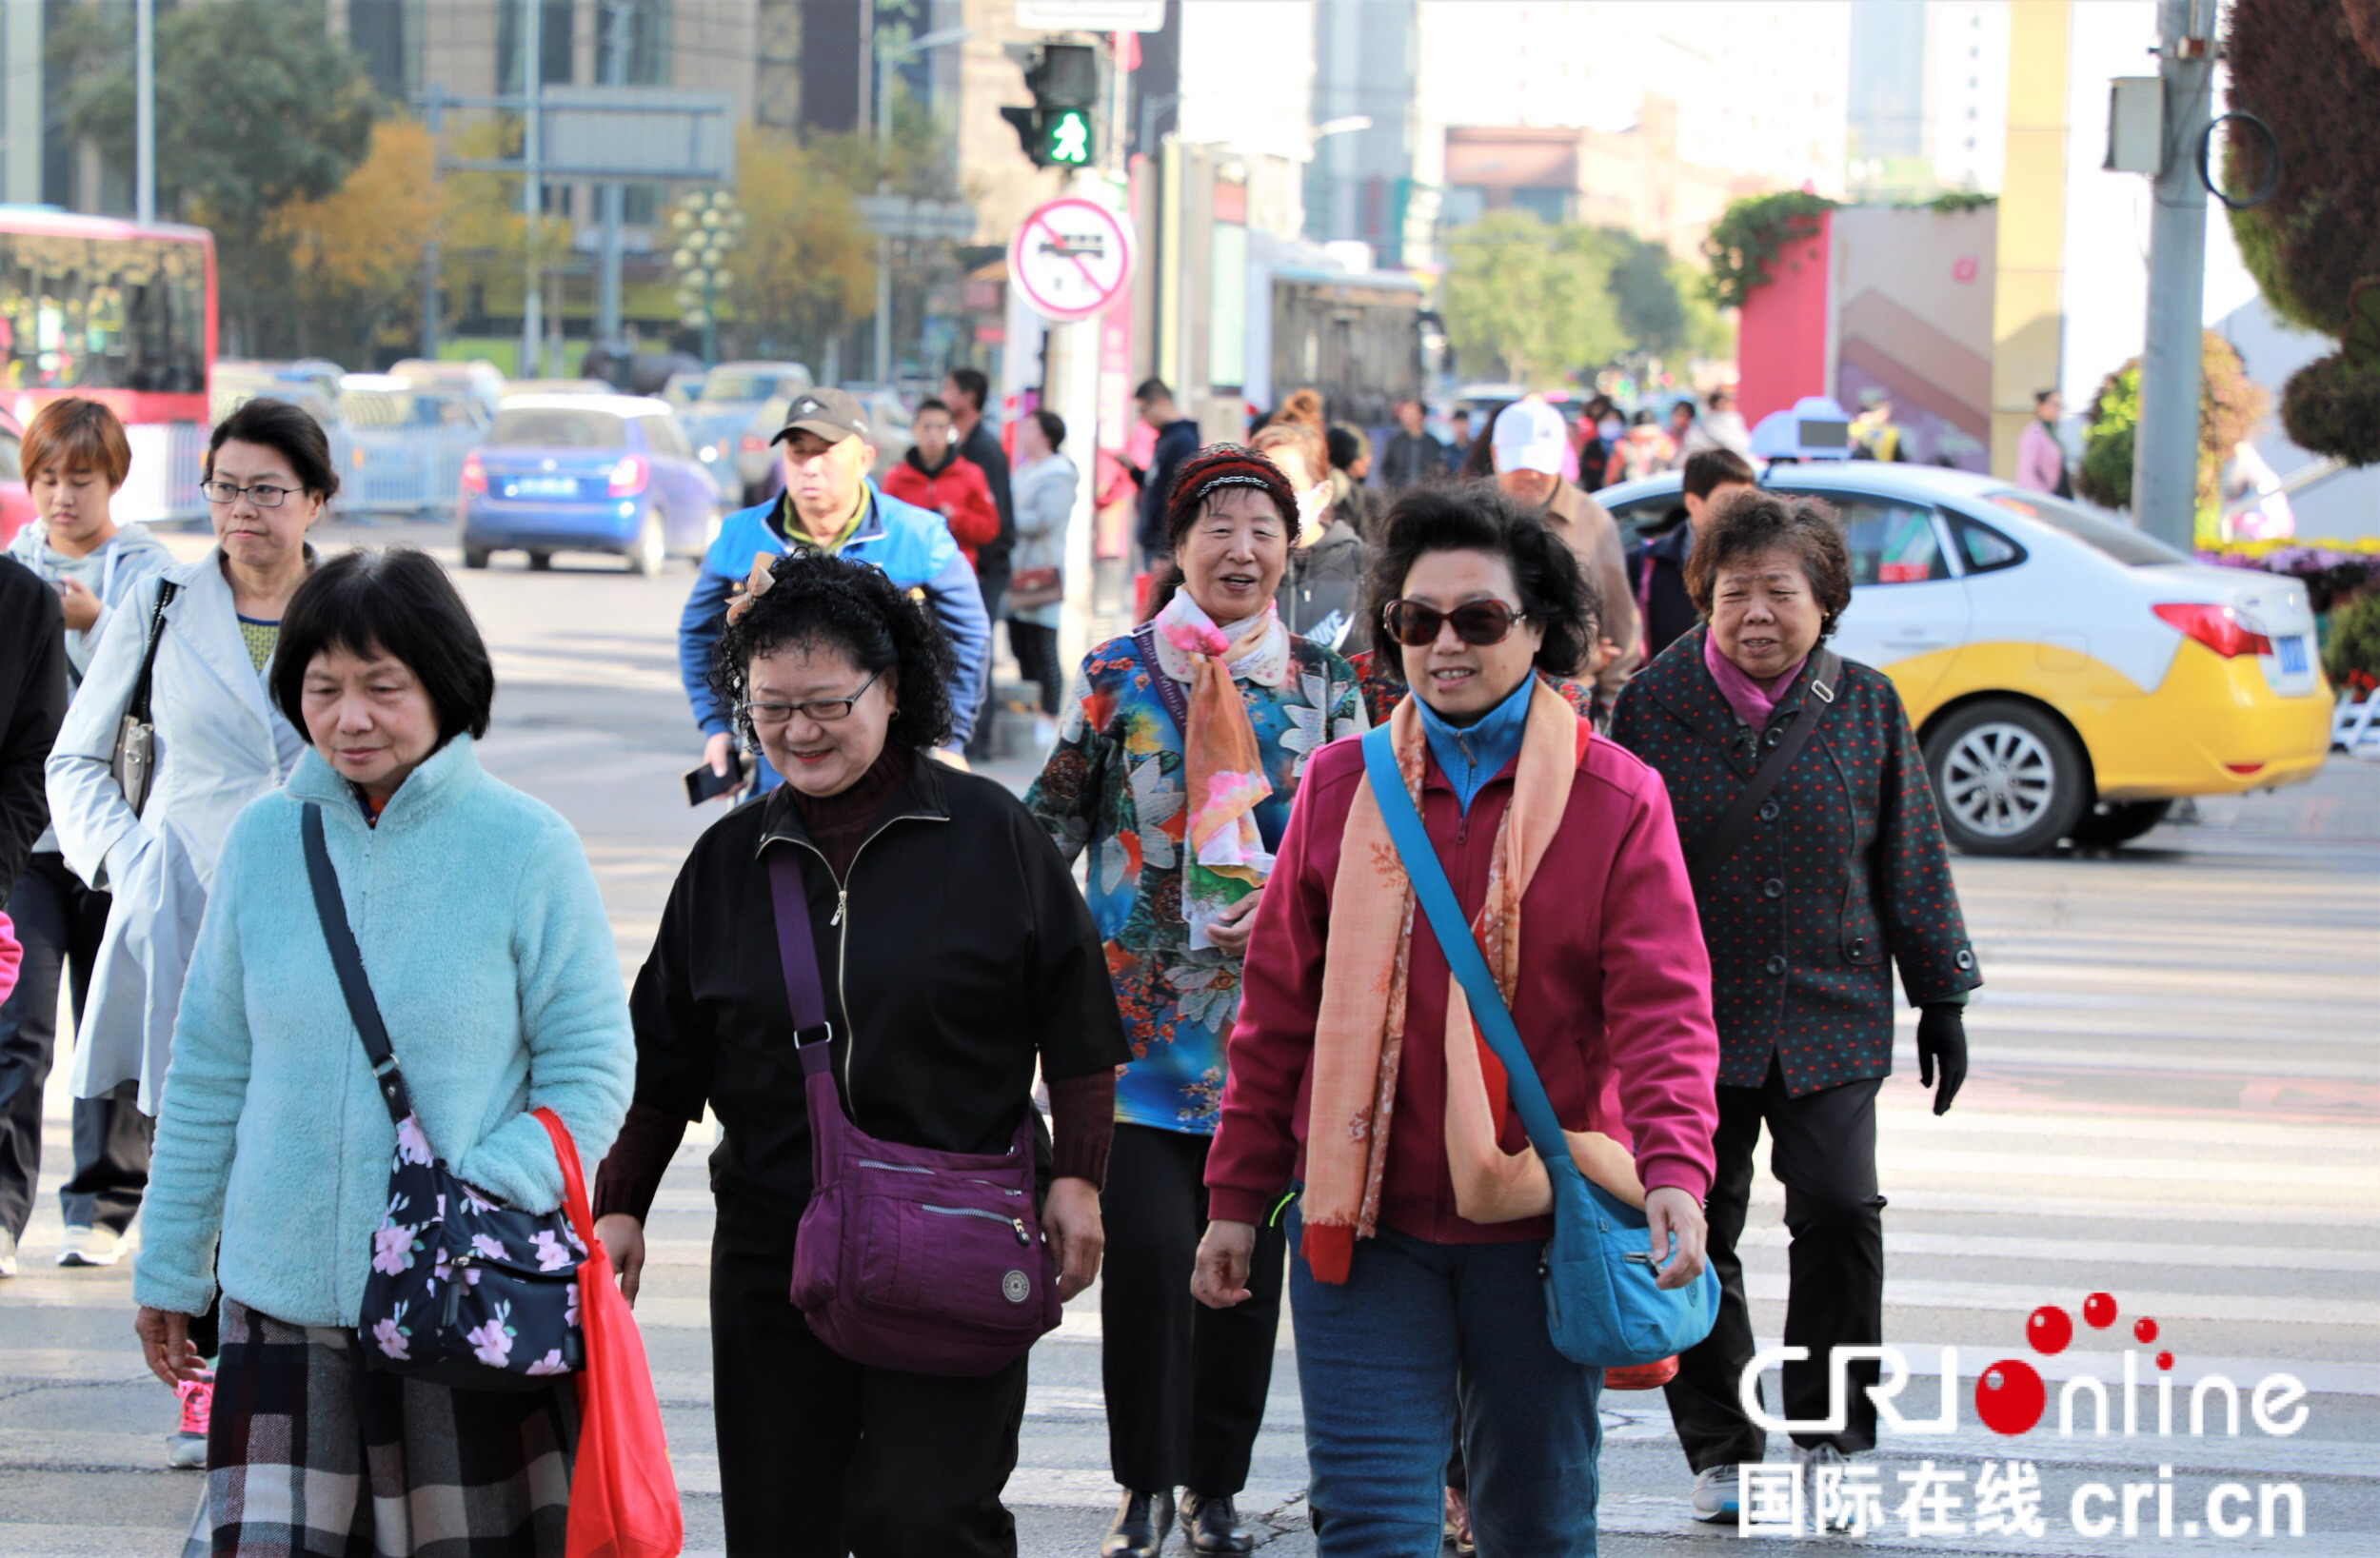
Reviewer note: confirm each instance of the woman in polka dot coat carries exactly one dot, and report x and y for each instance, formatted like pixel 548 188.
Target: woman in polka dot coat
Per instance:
pixel 1841 876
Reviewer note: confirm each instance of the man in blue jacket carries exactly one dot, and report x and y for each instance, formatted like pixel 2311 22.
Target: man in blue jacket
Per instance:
pixel 1177 440
pixel 829 504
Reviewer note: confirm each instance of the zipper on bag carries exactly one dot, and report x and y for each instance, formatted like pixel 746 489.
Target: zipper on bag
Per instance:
pixel 1015 1223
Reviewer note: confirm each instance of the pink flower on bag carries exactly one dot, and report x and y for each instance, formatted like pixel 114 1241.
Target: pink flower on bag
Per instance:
pixel 550 1364
pixel 444 1269
pixel 491 1343
pixel 570 1304
pixel 412 1147
pixel 551 1254
pixel 392 1249
pixel 490 1249
pixel 391 1338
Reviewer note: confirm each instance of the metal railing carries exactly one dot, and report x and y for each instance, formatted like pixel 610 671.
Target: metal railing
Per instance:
pixel 161 487
pixel 402 470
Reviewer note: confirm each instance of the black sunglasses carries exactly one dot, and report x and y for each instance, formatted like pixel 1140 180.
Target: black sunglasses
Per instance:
pixel 1479 622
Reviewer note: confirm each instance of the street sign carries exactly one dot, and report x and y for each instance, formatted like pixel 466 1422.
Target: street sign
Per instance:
pixel 1070 258
pixel 638 132
pixel 1091 15
pixel 918 221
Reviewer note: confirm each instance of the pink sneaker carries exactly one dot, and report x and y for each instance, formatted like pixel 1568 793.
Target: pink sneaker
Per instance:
pixel 186 1448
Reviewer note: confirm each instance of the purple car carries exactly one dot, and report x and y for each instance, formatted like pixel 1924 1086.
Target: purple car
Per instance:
pixel 587 473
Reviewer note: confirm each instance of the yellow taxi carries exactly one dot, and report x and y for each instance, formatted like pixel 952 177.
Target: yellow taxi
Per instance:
pixel 2069 677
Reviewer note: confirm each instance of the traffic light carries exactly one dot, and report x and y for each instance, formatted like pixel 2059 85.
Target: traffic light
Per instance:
pixel 1060 129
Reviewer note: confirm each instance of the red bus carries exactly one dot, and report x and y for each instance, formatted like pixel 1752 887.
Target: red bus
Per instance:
pixel 121 313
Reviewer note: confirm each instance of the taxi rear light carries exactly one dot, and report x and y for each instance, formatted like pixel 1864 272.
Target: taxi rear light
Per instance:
pixel 2217 627
pixel 2243 769
pixel 628 476
pixel 475 474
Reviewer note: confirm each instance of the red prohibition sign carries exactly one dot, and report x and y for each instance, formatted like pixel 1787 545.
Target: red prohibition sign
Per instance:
pixel 1038 239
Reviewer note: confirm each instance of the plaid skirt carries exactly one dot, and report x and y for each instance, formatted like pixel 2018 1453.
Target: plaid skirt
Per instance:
pixel 309 1453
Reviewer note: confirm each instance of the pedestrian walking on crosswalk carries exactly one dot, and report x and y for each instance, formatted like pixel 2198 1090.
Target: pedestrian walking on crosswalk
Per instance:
pixel 1820 867
pixel 919 913
pixel 175 729
pixel 1179 754
pixel 492 964
pixel 1358 1073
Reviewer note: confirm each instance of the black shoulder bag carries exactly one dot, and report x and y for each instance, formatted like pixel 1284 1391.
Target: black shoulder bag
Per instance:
pixel 464 1291
pixel 1825 676
pixel 134 760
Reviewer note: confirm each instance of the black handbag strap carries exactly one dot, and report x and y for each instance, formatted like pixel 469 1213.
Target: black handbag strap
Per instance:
pixel 139 709
pixel 1825 676
pixel 332 910
pixel 1168 691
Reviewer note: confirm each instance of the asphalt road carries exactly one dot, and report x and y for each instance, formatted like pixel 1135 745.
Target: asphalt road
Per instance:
pixel 2175 1101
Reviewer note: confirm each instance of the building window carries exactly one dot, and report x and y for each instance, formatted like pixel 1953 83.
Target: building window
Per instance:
pixel 648 42
pixel 555 54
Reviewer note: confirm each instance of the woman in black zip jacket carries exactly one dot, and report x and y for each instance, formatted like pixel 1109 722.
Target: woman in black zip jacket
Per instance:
pixel 954 952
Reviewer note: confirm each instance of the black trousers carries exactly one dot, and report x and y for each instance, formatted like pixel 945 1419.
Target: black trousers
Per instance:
pixel 1036 648
pixel 1185 1384
pixel 1822 1147
pixel 818 1456
pixel 59 922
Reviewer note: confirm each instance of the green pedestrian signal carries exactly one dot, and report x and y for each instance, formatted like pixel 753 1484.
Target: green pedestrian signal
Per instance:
pixel 1059 131
pixel 1070 139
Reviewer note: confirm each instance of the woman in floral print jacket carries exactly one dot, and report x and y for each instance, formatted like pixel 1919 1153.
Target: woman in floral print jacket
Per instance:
pixel 1212 698
pixel 1841 875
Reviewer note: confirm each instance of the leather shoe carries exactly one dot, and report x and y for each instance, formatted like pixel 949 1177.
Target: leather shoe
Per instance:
pixel 1142 1523
pixel 1213 1526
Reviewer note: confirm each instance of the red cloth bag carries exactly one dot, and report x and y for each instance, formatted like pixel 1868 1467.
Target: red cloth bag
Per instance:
pixel 624 1498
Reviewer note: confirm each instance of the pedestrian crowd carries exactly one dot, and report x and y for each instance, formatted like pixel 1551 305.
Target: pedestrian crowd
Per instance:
pixel 1233 1005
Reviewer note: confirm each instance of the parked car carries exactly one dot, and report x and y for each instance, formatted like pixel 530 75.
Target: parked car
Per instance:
pixel 586 473
pixel 2069 677
pixel 733 398
pixel 478 379
pixel 310 382
pixel 16 504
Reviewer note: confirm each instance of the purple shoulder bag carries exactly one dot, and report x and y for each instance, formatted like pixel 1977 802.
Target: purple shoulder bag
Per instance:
pixel 907 1258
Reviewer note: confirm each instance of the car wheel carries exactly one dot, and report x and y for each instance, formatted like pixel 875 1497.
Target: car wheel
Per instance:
pixel 541 562
pixel 2008 780
pixel 474 557
pixel 651 550
pixel 2113 823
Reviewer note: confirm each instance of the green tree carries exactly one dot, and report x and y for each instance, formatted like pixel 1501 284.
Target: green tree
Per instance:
pixel 257 105
pixel 1644 286
pixel 1530 300
pixel 2228 410
pixel 2310 69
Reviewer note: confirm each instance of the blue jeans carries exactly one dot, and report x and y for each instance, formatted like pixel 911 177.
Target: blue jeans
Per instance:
pixel 1418 1333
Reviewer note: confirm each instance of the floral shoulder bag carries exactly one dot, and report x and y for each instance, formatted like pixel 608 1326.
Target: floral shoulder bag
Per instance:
pixel 463 1290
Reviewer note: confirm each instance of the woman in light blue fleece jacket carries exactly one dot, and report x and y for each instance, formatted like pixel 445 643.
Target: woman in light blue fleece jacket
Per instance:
pixel 487 945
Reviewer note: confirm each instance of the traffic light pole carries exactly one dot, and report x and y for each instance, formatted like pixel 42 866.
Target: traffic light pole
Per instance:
pixel 2165 451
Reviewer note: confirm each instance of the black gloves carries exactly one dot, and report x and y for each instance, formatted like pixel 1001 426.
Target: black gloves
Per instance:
pixel 1942 1037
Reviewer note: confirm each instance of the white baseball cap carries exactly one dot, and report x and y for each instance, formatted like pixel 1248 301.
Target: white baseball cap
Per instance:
pixel 1529 436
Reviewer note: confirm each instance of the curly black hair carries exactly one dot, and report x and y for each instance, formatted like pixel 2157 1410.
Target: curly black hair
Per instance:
pixel 1555 591
pixel 1747 523
pixel 816 599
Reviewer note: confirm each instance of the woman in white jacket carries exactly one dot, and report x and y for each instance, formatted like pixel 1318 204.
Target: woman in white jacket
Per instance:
pixel 1043 485
pixel 220 744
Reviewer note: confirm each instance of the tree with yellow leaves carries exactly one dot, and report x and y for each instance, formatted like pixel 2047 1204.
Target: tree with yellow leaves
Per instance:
pixel 355 254
pixel 806 267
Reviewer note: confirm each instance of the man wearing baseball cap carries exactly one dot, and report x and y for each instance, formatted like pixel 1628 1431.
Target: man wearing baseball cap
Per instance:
pixel 1528 443
pixel 828 448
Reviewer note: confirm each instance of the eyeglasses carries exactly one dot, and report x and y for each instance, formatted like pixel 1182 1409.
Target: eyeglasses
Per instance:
pixel 824 711
pixel 261 496
pixel 1479 622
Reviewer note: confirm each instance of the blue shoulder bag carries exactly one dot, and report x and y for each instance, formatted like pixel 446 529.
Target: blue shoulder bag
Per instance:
pixel 1602 1298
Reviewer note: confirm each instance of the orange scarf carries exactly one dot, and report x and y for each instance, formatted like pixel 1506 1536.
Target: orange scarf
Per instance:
pixel 1358 1037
